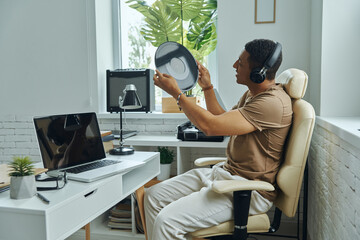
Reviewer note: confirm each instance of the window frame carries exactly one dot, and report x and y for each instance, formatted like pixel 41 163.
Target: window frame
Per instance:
pixel 116 15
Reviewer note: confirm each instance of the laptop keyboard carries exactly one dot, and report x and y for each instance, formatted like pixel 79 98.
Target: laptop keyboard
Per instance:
pixel 91 166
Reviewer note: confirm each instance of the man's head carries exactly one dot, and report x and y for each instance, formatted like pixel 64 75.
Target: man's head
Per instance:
pixel 259 51
pixel 254 56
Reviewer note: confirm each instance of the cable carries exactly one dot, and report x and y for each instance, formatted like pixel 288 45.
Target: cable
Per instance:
pixel 125 118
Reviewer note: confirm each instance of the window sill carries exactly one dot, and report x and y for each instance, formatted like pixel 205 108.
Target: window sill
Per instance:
pixel 347 128
pixel 142 115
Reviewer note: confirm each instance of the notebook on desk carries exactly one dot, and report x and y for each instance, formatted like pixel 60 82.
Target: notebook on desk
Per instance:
pixel 72 143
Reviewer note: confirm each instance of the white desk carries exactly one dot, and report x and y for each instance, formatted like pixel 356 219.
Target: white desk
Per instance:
pixel 171 140
pixel 73 206
pixel 183 148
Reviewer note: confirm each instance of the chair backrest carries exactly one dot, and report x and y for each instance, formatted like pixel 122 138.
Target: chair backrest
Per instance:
pixel 291 172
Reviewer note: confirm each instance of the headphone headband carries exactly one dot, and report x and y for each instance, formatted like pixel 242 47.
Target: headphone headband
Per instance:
pixel 273 56
pixel 258 75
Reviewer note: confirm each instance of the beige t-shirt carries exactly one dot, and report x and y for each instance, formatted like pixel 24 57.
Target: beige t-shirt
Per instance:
pixel 257 155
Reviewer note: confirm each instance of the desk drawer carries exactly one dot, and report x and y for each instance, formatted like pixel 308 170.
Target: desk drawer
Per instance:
pixel 83 208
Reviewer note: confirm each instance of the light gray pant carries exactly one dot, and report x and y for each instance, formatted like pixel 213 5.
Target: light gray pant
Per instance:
pixel 186 203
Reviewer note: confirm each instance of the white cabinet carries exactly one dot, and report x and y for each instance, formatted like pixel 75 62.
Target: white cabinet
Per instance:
pixel 130 182
pixel 75 205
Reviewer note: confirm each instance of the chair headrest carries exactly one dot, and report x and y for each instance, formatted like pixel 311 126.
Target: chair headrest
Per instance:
pixel 294 82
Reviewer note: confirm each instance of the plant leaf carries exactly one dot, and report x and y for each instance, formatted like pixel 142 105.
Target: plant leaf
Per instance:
pixel 139 5
pixel 163 23
pixel 202 33
pixel 202 29
pixel 160 25
pixel 166 155
pixel 21 166
pixel 187 9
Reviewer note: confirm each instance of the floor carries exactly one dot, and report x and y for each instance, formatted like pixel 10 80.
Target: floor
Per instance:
pixel 257 237
pixel 285 229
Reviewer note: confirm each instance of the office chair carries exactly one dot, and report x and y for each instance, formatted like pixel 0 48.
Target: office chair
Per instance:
pixel 289 177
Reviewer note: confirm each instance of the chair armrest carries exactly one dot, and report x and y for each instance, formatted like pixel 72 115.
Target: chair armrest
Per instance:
pixel 224 186
pixel 205 161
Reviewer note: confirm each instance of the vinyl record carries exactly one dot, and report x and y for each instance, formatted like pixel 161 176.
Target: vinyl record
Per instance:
pixel 174 59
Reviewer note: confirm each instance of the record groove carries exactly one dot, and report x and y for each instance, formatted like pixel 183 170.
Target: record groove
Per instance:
pixel 174 59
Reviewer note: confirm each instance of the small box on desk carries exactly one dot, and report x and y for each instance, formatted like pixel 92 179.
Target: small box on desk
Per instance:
pixel 107 138
pixel 169 104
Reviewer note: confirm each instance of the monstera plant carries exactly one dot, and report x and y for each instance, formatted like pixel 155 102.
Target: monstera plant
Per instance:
pixel 188 22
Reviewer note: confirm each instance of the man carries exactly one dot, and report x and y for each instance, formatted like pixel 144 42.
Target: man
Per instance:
pixel 258 126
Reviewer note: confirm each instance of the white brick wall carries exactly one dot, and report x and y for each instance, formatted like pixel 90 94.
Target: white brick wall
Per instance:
pixel 334 187
pixel 17 134
pixel 17 138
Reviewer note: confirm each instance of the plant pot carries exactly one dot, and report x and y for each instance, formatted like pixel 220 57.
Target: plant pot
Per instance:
pixel 22 187
pixel 164 172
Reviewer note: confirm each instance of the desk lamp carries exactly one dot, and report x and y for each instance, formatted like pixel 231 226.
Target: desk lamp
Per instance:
pixel 129 101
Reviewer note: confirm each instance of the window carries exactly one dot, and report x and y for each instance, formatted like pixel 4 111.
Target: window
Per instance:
pixel 149 18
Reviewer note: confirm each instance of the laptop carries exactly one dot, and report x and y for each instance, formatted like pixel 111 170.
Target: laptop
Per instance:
pixel 72 143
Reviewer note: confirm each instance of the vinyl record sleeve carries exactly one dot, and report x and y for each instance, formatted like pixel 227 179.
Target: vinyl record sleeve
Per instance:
pixel 176 60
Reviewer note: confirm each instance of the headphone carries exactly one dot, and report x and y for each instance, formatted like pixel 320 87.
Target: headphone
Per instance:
pixel 258 74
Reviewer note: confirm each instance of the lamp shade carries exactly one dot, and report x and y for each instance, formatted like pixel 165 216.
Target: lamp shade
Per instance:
pixel 131 99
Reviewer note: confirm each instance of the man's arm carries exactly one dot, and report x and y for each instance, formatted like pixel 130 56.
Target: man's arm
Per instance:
pixel 204 81
pixel 228 123
pixel 212 104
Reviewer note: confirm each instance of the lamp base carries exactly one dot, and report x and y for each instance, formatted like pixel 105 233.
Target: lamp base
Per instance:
pixel 121 151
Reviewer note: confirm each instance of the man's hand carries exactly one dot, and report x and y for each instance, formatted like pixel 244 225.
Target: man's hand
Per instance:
pixel 204 76
pixel 166 83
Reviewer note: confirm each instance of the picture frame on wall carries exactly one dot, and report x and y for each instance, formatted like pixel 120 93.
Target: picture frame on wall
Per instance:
pixel 265 11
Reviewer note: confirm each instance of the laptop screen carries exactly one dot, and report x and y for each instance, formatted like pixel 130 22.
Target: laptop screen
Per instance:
pixel 69 140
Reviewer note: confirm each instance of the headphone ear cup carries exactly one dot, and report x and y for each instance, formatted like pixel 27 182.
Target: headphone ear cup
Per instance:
pixel 256 76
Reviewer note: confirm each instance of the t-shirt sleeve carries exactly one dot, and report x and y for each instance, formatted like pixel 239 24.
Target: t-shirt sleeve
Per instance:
pixel 264 112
